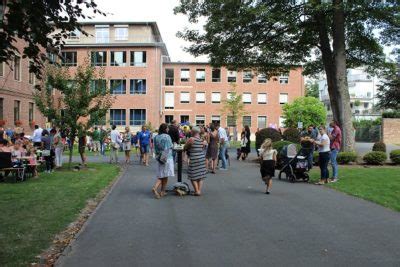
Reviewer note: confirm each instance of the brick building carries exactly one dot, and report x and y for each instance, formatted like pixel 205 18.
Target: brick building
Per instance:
pixel 151 88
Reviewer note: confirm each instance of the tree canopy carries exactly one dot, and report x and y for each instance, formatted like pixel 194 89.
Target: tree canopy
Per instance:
pixel 308 110
pixel 312 89
pixel 35 23
pixel 389 91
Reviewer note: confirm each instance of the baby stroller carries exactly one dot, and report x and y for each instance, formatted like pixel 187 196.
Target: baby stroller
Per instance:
pixel 294 164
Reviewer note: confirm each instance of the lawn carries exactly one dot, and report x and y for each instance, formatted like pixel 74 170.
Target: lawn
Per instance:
pixel 377 184
pixel 32 212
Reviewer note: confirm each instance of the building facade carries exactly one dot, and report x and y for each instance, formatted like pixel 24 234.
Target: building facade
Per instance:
pixel 362 90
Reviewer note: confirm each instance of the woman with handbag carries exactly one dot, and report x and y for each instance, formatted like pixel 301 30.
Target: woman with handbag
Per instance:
pixel 165 162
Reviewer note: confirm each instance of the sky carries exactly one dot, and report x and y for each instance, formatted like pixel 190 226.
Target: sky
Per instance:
pixel 160 11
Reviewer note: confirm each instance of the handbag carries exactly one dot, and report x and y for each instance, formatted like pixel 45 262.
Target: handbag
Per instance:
pixel 163 156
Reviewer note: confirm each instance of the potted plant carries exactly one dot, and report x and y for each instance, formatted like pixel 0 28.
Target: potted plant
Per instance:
pixel 18 123
pixel 2 123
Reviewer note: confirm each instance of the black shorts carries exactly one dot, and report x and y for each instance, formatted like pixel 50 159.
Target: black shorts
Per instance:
pixel 267 168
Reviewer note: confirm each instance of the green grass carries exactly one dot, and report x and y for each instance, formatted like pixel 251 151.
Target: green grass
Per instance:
pixel 377 184
pixel 236 144
pixel 32 212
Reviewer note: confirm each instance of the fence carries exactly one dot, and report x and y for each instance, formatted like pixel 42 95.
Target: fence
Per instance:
pixel 369 134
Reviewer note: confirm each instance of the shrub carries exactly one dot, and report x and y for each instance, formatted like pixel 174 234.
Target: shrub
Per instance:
pixel 375 158
pixel 391 114
pixel 379 146
pixel 346 157
pixel 292 135
pixel 267 133
pixel 395 156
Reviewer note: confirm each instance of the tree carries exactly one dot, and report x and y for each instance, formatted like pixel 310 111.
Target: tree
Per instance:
pixel 80 102
pixel 42 25
pixel 312 89
pixel 273 36
pixel 233 107
pixel 389 91
pixel 308 110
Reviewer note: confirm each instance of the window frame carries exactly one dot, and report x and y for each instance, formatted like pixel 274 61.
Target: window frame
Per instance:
pixel 122 122
pixel 113 63
pixel 66 63
pixel 215 101
pixel 216 80
pixel 133 84
pixel 173 100
pixel 284 78
pixel 168 81
pixel 245 78
pixel 94 59
pixel 184 80
pixel 184 101
pixel 266 100
pixel 119 37
pixel 230 76
pixel 17 110
pixel 202 118
pixel 287 98
pixel 123 85
pixel 258 121
pixel 17 70
pixel 31 112
pixel 184 115
pixel 135 63
pixel 200 101
pixel 201 80
pixel 133 122
pixel 243 98
pixel 104 38
pixel 243 120
pixel 262 78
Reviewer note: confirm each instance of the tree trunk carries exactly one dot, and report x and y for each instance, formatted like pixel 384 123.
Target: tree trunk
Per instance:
pixel 71 149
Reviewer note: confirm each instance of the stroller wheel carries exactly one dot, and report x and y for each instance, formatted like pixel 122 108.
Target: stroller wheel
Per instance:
pixel 306 177
pixel 292 178
pixel 280 176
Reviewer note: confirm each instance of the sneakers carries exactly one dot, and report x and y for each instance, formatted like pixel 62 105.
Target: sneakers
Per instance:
pixel 223 169
pixel 334 180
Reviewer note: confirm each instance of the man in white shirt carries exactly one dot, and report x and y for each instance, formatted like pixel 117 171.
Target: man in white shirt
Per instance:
pixel 37 136
pixel 224 142
pixel 115 144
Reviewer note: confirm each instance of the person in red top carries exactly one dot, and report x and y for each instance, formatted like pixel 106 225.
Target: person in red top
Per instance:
pixel 336 142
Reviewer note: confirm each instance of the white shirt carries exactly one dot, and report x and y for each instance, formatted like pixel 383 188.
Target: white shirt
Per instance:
pixel 115 137
pixel 326 146
pixel 222 134
pixel 37 135
pixel 268 155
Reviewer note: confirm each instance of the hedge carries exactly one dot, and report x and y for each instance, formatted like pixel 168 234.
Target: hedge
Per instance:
pixel 375 158
pixel 346 157
pixel 395 156
pixel 379 146
pixel 265 133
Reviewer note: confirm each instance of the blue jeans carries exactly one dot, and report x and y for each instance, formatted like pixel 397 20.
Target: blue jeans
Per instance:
pixel 323 162
pixel 335 167
pixel 222 151
pixel 102 148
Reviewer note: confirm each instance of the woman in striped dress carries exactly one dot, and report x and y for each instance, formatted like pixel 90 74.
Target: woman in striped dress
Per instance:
pixel 197 168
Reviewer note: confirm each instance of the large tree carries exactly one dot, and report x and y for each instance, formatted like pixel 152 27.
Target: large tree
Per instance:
pixel 74 102
pixel 35 22
pixel 389 91
pixel 272 36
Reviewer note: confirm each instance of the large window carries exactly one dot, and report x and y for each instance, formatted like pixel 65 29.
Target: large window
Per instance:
pixel 138 86
pixel 69 59
pixel 185 97
pixel 230 122
pixel 232 76
pixel 118 58
pixel 200 97
pixel 118 87
pixel 284 79
pixel 31 111
pixel 121 33
pixel 99 58
pixel 262 122
pixel 216 119
pixel 283 98
pixel 31 78
pixel 169 101
pixel 185 75
pixel 118 117
pixel 216 75
pixel 184 118
pixel 262 78
pixel 169 118
pixel 137 117
pixel 102 34
pixel 247 76
pixel 200 120
pixel 17 109
pixel 200 75
pixel 246 120
pixel 1 108
pixel 169 77
pixel 216 97
pixel 247 98
pixel 17 68
pixel 138 58
pixel 98 86
pixel 262 98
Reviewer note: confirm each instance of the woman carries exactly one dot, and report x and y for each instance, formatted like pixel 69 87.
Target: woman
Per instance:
pixel 126 144
pixel 197 168
pixel 243 146
pixel 47 150
pixel 267 163
pixel 323 144
pixel 247 135
pixel 165 163
pixel 212 149
pixel 58 148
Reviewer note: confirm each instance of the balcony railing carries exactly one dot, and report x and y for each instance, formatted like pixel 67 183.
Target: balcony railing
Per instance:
pixel 137 38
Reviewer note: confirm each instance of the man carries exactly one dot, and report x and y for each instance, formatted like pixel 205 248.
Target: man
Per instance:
pixel 144 144
pixel 96 140
pixel 103 138
pixel 224 143
pixel 307 139
pixel 37 136
pixel 173 132
pixel 336 141
pixel 115 144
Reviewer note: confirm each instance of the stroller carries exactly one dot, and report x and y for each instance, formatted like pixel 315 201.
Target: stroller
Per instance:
pixel 294 164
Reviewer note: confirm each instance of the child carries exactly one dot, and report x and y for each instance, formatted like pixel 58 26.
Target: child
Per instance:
pixel 267 163
pixel 33 161
pixel 243 144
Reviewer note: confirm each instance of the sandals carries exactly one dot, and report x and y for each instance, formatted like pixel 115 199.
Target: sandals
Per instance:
pixel 156 194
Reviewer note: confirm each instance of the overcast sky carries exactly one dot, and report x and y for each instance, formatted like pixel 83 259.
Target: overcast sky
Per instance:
pixel 160 11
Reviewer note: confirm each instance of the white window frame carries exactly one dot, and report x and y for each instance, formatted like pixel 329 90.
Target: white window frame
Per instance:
pixel 169 100
pixel 262 98
pixel 216 118
pixel 121 33
pixel 231 74
pixel 247 76
pixel 74 35
pixel 261 78
pixel 258 122
pixel 185 78
pixel 102 33
pixel 200 78
pixel 283 98
pixel 246 98
pixel 184 97
pixel 284 79
pixel 200 117
pixel 201 97
pixel 215 97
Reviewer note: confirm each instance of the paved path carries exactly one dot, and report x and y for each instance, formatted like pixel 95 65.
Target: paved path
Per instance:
pixel 235 224
pixel 364 148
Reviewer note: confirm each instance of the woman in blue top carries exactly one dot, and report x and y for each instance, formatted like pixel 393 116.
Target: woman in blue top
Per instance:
pixel 163 150
pixel 144 142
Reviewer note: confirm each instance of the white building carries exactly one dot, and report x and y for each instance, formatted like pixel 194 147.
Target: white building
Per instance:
pixel 362 89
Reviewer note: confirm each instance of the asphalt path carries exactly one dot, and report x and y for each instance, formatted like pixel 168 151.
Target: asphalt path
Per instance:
pixel 235 224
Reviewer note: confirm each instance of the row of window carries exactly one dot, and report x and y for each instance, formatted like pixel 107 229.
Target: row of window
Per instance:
pixel 17 70
pixel 169 98
pixel 99 58
pixel 17 110
pixel 137 117
pixel 247 76
pixel 118 87
pixel 102 34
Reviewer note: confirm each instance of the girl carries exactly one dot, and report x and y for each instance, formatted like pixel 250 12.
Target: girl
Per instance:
pixel 243 146
pixel 268 161
pixel 126 145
